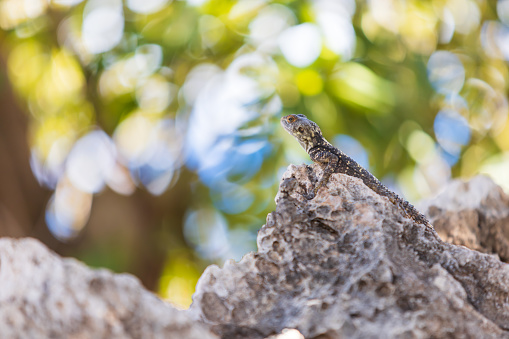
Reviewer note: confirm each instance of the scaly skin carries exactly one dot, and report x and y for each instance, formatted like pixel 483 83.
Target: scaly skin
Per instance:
pixel 309 136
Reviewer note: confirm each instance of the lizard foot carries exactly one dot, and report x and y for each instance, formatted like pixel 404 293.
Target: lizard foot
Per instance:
pixel 309 196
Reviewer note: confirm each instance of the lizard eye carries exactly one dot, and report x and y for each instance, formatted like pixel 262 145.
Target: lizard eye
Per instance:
pixel 291 118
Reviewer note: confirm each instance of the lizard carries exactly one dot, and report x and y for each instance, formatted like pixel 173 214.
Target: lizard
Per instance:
pixel 333 160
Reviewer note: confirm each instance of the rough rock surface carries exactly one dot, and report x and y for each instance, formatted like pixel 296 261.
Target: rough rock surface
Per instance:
pixel 474 214
pixel 45 296
pixel 347 264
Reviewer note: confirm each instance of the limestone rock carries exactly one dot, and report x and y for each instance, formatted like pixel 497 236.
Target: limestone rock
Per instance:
pixel 348 264
pixel 474 214
pixel 45 296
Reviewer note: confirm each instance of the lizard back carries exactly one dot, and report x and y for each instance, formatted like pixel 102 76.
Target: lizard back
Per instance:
pixel 309 136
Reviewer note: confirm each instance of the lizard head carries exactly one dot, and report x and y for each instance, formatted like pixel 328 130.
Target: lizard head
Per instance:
pixel 306 132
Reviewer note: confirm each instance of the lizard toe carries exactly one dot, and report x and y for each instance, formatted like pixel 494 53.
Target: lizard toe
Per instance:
pixel 309 196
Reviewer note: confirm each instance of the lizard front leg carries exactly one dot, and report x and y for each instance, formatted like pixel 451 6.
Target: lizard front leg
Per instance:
pixel 324 157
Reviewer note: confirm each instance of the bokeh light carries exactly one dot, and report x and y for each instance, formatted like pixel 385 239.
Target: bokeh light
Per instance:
pixel 207 231
pixel 301 45
pixel 226 104
pixel 445 72
pixel 266 27
pixel 335 21
pixel 68 210
pixel 103 25
pixel 146 7
pixel 16 12
pixel 452 133
pixel 91 162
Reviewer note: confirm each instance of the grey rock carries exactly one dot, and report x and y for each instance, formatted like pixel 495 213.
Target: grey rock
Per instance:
pixel 45 296
pixel 348 264
pixel 474 214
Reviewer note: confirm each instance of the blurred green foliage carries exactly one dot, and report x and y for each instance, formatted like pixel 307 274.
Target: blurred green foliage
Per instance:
pixel 183 99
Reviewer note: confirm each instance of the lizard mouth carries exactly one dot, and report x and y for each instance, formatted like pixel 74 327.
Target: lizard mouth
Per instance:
pixel 285 124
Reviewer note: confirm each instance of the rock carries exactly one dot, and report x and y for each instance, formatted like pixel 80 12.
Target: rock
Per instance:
pixel 474 214
pixel 45 296
pixel 347 264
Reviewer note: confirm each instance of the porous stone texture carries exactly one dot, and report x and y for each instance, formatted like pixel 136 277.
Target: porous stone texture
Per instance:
pixel 474 214
pixel 348 264
pixel 45 296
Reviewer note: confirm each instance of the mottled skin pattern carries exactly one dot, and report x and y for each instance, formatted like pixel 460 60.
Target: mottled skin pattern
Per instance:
pixel 309 136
